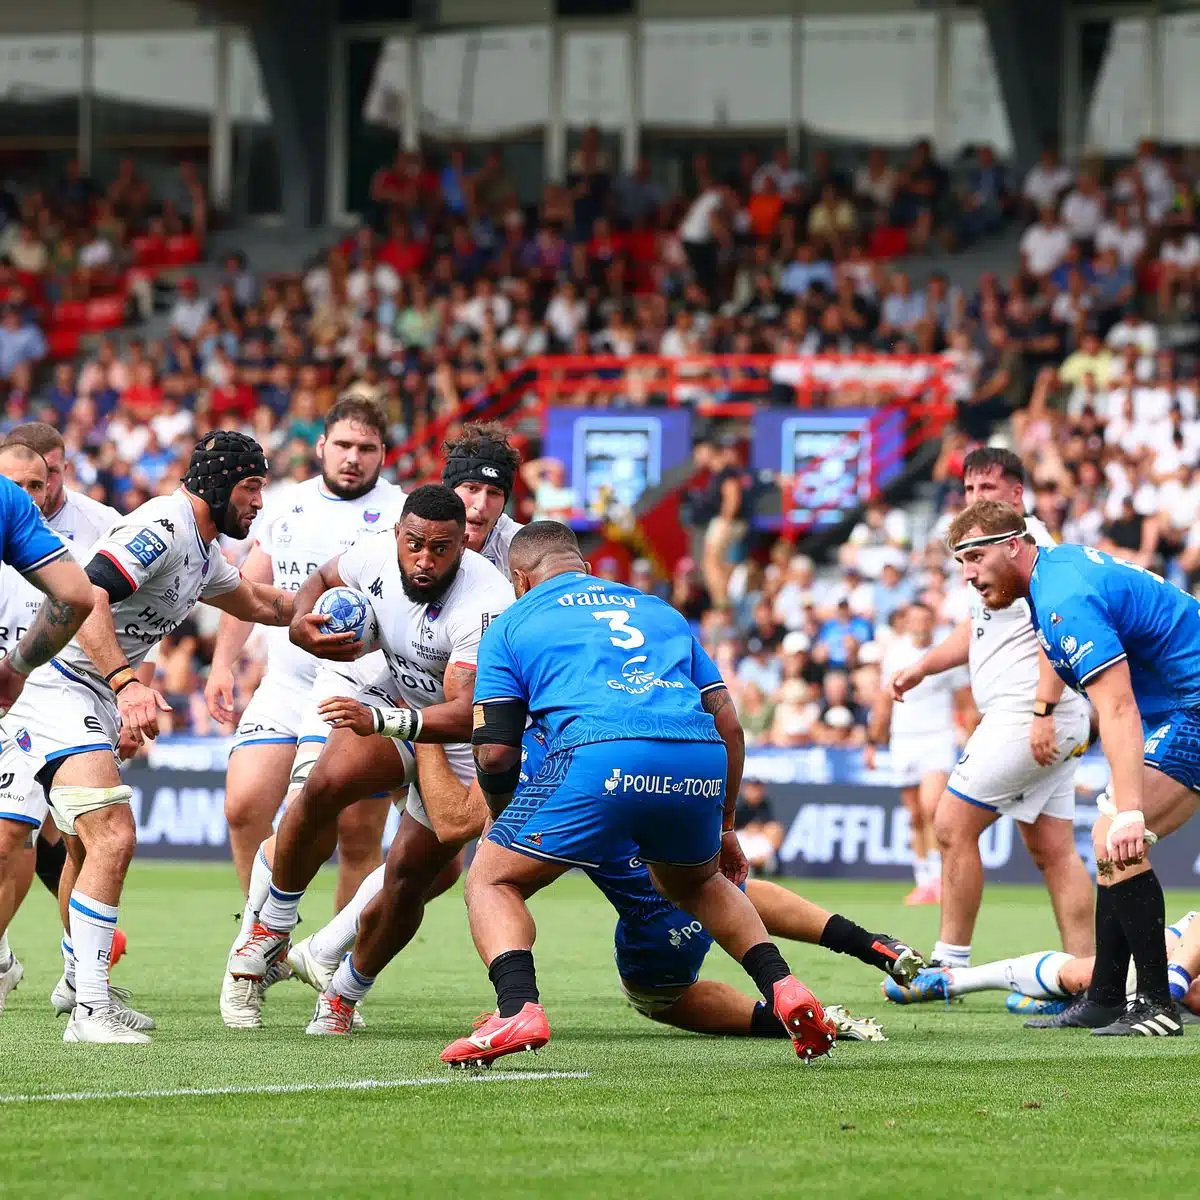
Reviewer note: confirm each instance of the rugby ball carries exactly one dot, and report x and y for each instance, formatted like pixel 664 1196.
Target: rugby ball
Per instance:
pixel 349 612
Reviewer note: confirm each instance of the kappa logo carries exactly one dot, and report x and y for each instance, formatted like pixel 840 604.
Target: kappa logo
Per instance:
pixel 167 525
pixel 298 508
pixel 23 740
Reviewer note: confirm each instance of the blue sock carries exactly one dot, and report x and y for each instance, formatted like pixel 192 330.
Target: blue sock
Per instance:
pixel 1179 981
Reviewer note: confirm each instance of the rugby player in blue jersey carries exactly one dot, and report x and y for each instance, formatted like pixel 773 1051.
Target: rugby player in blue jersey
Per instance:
pixel 1131 642
pixel 644 749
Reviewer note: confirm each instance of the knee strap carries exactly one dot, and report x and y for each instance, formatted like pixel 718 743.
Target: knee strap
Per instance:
pixel 68 803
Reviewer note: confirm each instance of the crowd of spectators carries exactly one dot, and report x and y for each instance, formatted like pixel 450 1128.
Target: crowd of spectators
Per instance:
pixel 451 282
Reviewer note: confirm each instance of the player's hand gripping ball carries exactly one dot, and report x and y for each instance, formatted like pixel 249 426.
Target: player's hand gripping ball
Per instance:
pixel 348 611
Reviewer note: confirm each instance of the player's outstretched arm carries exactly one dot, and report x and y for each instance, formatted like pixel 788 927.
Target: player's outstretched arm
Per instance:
pixel 68 602
pixel 1122 739
pixel 258 603
pixel 231 638
pixel 719 704
pixel 305 628
pixel 952 652
pixel 457 812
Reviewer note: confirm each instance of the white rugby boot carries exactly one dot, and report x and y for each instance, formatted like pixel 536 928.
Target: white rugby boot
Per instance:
pixel 102 1026
pixel 255 953
pixel 62 1000
pixel 10 977
pixel 241 1002
pixel 333 1015
pixel 316 974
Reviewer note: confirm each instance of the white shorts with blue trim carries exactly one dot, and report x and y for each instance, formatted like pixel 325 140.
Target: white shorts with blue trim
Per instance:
pixel 918 755
pixel 997 770
pixel 272 718
pixel 61 714
pixel 22 798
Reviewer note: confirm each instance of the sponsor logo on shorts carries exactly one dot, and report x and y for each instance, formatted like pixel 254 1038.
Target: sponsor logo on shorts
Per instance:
pixel 661 785
pixel 1153 741
pixel 684 934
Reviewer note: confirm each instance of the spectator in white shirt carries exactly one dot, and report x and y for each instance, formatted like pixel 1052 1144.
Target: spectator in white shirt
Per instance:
pixel 702 230
pixel 780 171
pixel 875 182
pixel 371 273
pixel 1134 330
pixel 1083 209
pixel 1120 234
pixel 681 339
pixel 1046 182
pixel 1045 243
pixel 1178 266
pixel 486 300
pixel 523 339
pixel 190 311
pixel 566 314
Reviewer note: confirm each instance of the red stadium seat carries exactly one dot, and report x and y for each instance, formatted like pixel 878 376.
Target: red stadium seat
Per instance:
pixel 149 251
pixel 69 314
pixel 182 250
pixel 104 312
pixel 889 242
pixel 63 343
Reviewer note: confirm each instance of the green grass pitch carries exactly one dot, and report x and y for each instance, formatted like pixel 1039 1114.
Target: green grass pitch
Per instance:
pixel 960 1101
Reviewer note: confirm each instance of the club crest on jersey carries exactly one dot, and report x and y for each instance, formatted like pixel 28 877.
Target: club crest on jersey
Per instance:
pixel 371 516
pixel 24 740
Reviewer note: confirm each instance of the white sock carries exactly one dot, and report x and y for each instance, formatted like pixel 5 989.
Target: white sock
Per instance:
pixel 331 942
pixel 918 870
pixel 68 954
pixel 1179 980
pixel 1034 975
pixel 280 910
pixel 5 952
pixel 933 867
pixel 1180 926
pixel 348 983
pixel 256 897
pixel 946 954
pixel 92 926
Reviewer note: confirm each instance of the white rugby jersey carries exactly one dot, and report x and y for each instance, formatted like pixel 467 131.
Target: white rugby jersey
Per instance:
pixel 300 527
pixel 420 640
pixel 495 549
pixel 927 710
pixel 1003 658
pixel 157 548
pixel 80 521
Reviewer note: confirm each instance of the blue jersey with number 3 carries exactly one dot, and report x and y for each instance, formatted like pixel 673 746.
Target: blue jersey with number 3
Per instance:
pixel 1091 610
pixel 596 661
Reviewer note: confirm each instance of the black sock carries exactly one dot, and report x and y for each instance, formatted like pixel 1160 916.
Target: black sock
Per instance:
pixel 50 860
pixel 1142 912
pixel 513 977
pixel 764 964
pixel 843 936
pixel 1112 953
pixel 764 1023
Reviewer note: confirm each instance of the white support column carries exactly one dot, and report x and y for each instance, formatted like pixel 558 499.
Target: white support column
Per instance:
pixel 556 125
pixel 795 127
pixel 1153 72
pixel 631 143
pixel 87 84
pixel 412 104
pixel 943 131
pixel 220 154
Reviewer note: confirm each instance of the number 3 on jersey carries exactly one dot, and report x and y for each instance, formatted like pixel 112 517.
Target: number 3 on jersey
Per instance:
pixel 618 622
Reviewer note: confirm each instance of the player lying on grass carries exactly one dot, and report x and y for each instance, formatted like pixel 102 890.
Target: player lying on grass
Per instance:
pixel 1051 976
pixel 659 949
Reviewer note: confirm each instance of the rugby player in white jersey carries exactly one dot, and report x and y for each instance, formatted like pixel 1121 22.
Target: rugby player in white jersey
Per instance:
pixel 87 705
pixel 433 599
pixel 79 520
pixel 481 467
pixel 922 742
pixel 301 526
pixel 1020 759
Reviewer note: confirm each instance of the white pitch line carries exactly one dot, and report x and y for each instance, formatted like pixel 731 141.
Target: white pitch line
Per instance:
pixel 288 1089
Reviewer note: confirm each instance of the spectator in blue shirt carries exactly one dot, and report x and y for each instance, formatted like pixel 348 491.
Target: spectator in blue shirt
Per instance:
pixel 903 309
pixel 805 270
pixel 892 590
pixel 453 180
pixel 61 393
pixel 839 632
pixel 761 666
pixel 19 342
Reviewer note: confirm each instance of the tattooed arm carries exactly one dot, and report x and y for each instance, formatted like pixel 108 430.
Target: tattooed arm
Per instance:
pixel 259 603
pixel 67 604
pixel 719 703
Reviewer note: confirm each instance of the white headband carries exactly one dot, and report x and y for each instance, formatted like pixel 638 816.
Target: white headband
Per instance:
pixel 988 539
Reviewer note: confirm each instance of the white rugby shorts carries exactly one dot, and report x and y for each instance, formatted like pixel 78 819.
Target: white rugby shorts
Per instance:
pixel 22 798
pixel 914 757
pixel 272 718
pixel 997 769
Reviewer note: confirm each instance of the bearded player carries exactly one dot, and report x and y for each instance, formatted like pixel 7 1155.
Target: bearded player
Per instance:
pixel 301 526
pixel 86 704
pixel 433 599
